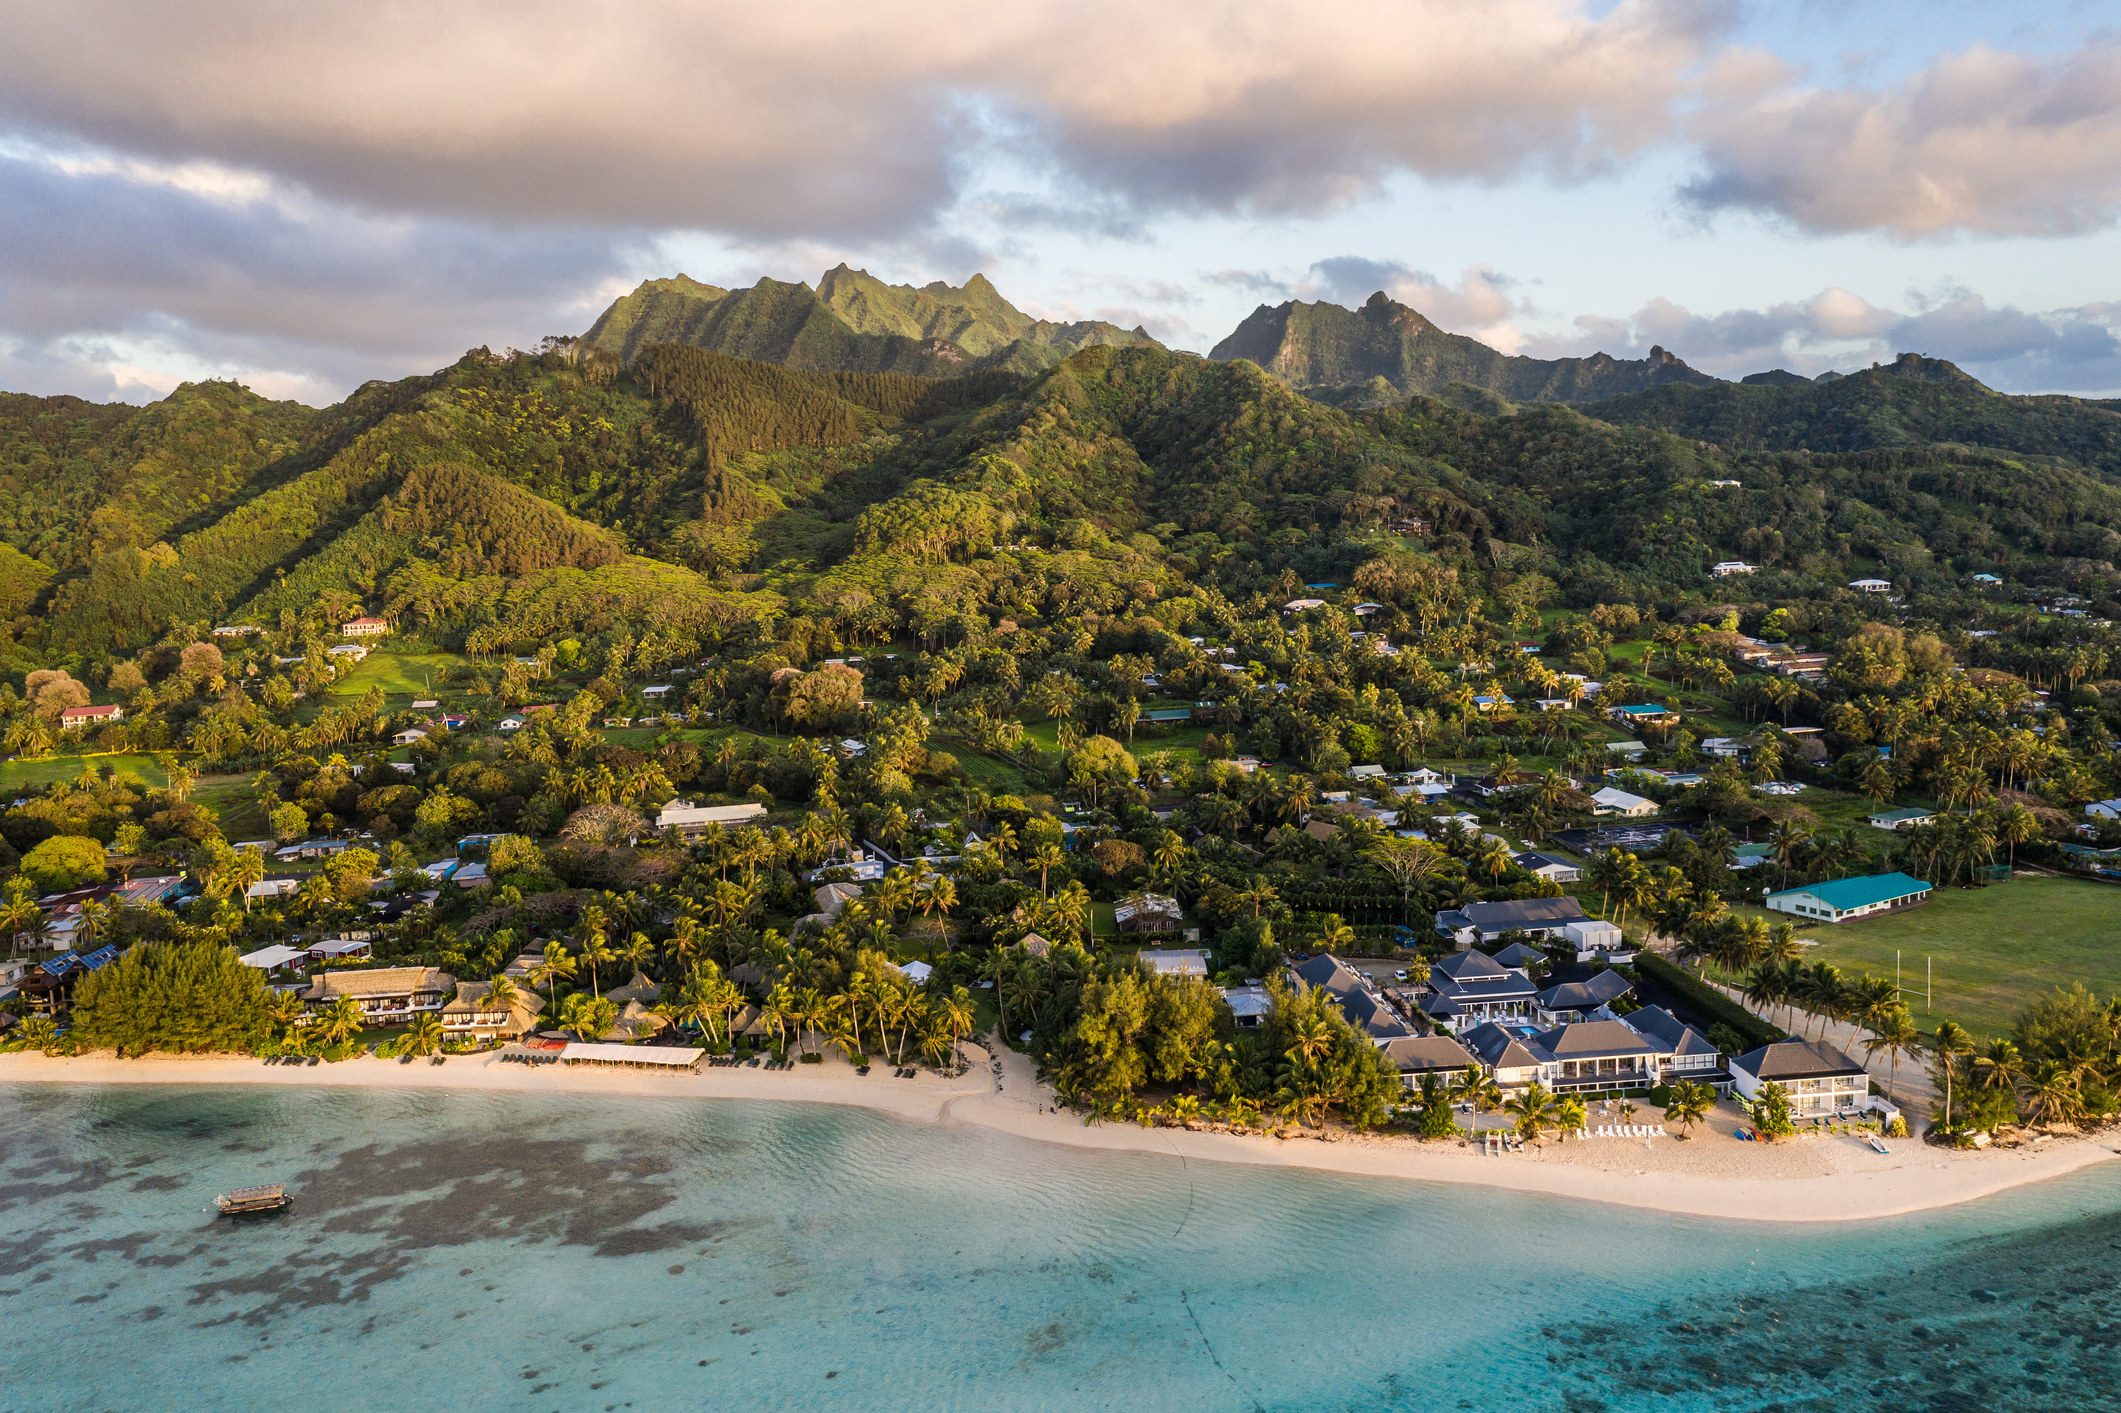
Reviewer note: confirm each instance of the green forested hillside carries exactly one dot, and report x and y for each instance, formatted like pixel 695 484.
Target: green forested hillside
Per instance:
pixel 1910 402
pixel 852 322
pixel 506 499
pixel 1385 351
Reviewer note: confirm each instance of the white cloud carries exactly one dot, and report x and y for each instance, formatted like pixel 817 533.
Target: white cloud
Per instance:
pixel 809 116
pixel 1981 141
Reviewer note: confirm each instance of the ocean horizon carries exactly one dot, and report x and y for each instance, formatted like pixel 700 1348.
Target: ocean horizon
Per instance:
pixel 473 1250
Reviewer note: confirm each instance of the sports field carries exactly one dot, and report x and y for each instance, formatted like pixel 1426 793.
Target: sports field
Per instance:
pixel 1994 948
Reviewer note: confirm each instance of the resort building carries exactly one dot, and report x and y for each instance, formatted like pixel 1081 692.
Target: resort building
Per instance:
pixel 1596 1056
pixel 1355 994
pixel 1847 899
pixel 1871 586
pixel 1419 1055
pixel 387 995
pixel 1573 1001
pixel 1472 989
pixel 1688 1053
pixel 1821 1081
pixel 472 1015
pixel 364 628
pixel 1725 568
pixel 1484 922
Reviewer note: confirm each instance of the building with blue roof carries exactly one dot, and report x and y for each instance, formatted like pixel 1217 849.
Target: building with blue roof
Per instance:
pixel 1847 899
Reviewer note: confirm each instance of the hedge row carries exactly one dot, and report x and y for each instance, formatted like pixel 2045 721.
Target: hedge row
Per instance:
pixel 1707 1002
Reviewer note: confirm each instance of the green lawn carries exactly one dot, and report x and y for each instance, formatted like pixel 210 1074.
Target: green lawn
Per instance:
pixel 407 673
pixel 1995 948
pixel 15 774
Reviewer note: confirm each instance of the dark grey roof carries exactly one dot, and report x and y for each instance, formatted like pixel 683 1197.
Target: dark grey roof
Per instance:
pixel 1595 1038
pixel 1602 989
pixel 1502 1049
pixel 1520 954
pixel 1669 1031
pixel 1441 1005
pixel 1534 859
pixel 1468 966
pixel 1427 1054
pixel 1796 1059
pixel 1522 912
pixel 1330 972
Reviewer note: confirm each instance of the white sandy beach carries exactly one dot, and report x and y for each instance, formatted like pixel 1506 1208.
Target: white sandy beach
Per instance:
pixel 1811 1179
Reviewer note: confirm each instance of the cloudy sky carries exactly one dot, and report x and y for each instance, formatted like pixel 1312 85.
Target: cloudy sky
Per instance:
pixel 308 196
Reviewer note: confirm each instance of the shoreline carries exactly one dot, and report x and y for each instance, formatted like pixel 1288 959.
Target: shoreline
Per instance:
pixel 1826 1178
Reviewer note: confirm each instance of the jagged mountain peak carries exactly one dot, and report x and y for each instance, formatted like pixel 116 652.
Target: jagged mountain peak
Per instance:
pixel 1335 353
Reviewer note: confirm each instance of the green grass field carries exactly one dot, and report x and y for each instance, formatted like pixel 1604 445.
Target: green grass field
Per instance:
pixel 1995 948
pixel 15 774
pixel 404 674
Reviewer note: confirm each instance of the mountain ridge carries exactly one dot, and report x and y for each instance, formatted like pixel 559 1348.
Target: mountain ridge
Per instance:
pixel 1385 350
pixel 851 322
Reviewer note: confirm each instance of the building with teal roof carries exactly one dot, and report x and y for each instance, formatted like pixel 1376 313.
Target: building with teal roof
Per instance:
pixel 1847 899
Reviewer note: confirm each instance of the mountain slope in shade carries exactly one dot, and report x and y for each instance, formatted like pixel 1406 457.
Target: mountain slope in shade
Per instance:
pixel 851 323
pixel 1385 351
pixel 1912 401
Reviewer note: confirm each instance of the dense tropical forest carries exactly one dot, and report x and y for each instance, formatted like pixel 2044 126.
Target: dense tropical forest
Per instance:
pixel 1056 632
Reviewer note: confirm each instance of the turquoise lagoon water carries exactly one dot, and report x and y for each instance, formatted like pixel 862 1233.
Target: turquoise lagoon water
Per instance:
pixel 466 1251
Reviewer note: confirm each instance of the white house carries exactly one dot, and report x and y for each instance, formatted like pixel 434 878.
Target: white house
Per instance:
pixel 1871 586
pixel 1595 939
pixel 1899 821
pixel 364 628
pixel 1820 1080
pixel 1724 569
pixel 1550 867
pixel 409 735
pixel 1610 801
pixel 697 819
pixel 74 718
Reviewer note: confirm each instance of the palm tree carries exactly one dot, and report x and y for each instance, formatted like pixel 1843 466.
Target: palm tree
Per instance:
pixel 341 1020
pixel 244 870
pixel 285 1011
pixel 2051 1093
pixel 1047 856
pixel 1534 1110
pixel 1688 1104
pixel 2000 1066
pixel 589 1017
pixel 1896 1034
pixel 1951 1041
pixel 425 1036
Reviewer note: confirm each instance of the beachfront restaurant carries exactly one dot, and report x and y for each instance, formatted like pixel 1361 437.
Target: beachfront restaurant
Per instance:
pixel 668 1059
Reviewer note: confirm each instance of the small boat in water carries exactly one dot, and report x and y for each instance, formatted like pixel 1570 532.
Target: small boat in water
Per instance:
pixel 246 1200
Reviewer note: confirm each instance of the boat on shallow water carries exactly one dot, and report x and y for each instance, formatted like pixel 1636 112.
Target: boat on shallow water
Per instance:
pixel 246 1200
